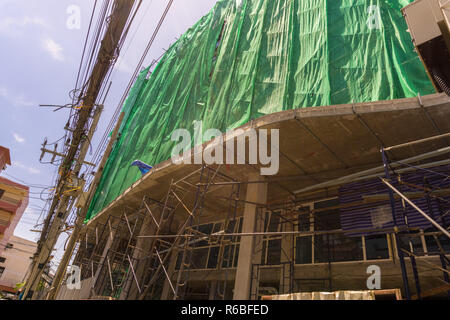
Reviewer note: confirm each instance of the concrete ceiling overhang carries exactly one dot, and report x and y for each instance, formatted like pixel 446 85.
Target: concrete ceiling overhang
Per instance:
pixel 316 145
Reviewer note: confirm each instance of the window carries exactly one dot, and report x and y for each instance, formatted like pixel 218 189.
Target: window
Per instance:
pixel 213 257
pixel 271 252
pixel 420 242
pixel 199 258
pixel 229 255
pixel 303 244
pixel 325 217
pixel 304 220
pixel 205 229
pixel 337 247
pixel 2 260
pixel 231 251
pixel 303 250
pixel 9 246
pixel 377 247
pixel 322 248
pixel 218 227
pixel 433 246
pixel 271 246
pixel 1 193
pixel 272 222
pixel 333 247
pixel 415 239
pixel 1 271
pixel 236 256
pixel 179 260
pixel 205 253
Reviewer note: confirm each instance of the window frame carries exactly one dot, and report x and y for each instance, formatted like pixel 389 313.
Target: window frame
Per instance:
pixel 267 239
pixel 235 244
pixel 314 240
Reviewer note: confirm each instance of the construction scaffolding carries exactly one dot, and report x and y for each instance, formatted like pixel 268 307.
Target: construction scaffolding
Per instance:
pixel 146 254
pixel 115 267
pixel 151 253
pixel 180 234
pixel 437 219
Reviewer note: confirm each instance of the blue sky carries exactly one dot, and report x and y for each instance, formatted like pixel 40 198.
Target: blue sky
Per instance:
pixel 39 60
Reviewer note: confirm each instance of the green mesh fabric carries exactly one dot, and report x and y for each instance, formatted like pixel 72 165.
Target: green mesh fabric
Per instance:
pixel 249 58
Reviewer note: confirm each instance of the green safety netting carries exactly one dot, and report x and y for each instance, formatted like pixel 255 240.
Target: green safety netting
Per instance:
pixel 249 58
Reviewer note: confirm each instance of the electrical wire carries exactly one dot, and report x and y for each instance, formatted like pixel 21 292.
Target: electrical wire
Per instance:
pixel 84 50
pixel 26 183
pixel 86 69
pixel 103 142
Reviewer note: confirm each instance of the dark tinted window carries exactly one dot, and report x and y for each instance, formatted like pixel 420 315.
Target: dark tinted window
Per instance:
pixel 274 252
pixel 327 219
pixel 304 221
pixel 433 247
pixel 377 247
pixel 228 255
pixel 337 247
pixel 213 257
pixel 416 241
pixel 303 250
pixel 199 258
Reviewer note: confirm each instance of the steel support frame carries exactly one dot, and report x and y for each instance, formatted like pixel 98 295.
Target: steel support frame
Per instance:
pixel 401 251
pixel 394 219
pixel 161 257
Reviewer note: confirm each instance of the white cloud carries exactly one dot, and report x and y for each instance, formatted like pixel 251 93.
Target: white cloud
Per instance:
pixel 123 66
pixel 30 170
pixel 16 100
pixel 21 100
pixel 13 27
pixel 33 170
pixel 3 92
pixel 55 50
pixel 18 138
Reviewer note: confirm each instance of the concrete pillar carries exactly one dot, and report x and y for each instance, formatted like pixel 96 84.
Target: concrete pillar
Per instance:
pixel 250 247
pixel 167 290
pixel 109 242
pixel 287 258
pixel 143 245
pixel 212 290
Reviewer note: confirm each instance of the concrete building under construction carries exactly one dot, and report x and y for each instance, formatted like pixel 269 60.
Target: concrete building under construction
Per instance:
pixel 362 117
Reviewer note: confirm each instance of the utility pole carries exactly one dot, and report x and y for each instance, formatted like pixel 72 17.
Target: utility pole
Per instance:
pixel 55 154
pixel 70 168
pixel 68 199
pixel 81 216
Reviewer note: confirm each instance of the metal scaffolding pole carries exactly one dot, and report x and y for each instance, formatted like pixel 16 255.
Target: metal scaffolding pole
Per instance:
pixel 164 243
pixel 394 219
pixel 434 223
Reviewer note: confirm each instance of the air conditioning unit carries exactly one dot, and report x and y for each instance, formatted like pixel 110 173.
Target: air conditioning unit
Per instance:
pixel 428 22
